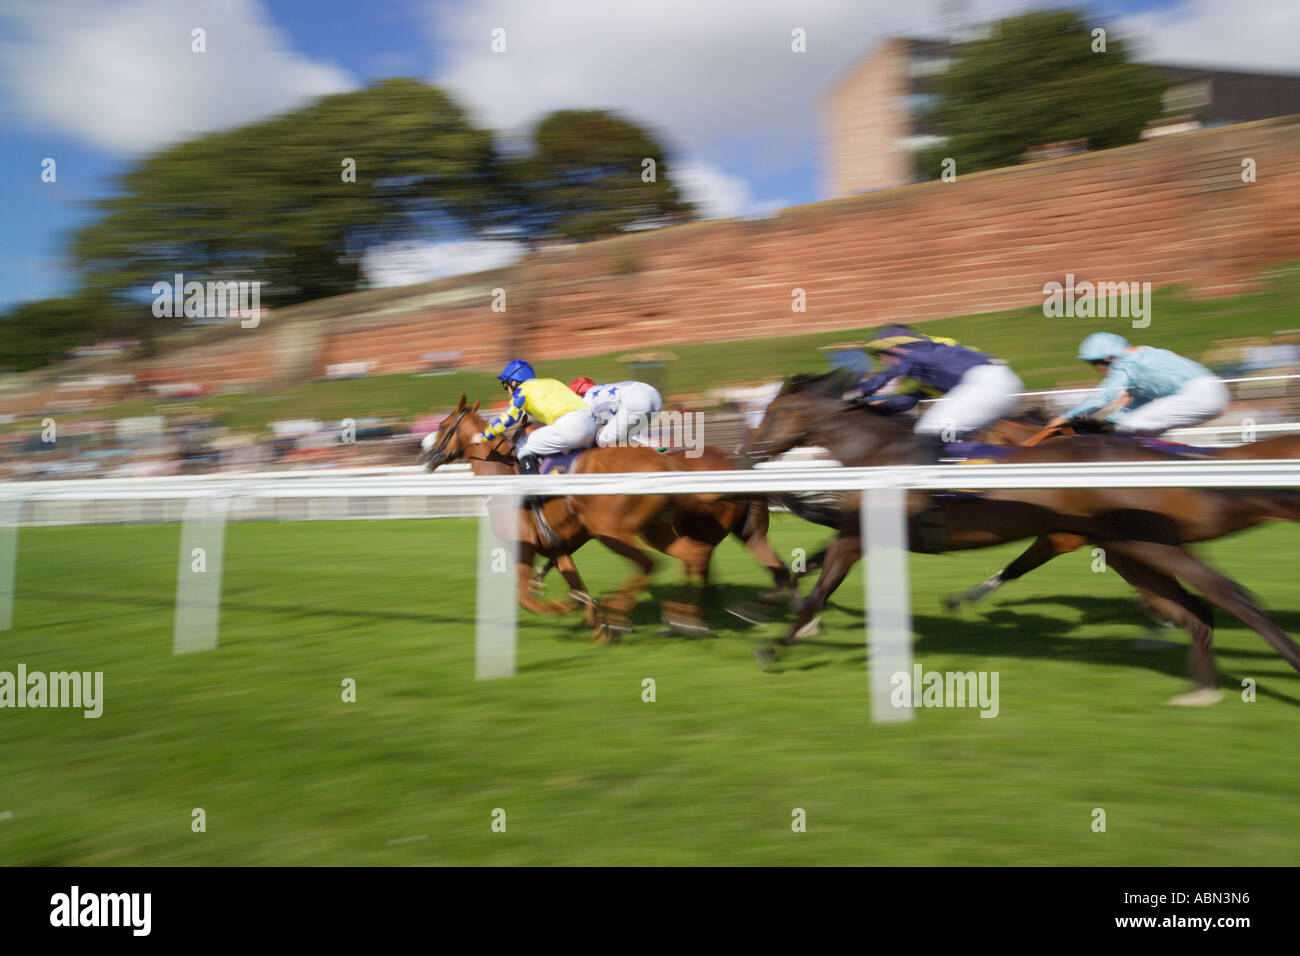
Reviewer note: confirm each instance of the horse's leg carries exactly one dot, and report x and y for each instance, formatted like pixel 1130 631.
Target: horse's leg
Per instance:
pixel 577 588
pixel 528 598
pixel 753 532
pixel 691 539
pixel 524 573
pixel 1173 602
pixel 684 616
pixel 812 561
pixel 540 574
pixel 1044 549
pixel 624 597
pixel 841 554
pixel 1215 586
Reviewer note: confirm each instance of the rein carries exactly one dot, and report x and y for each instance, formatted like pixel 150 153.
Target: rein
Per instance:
pixel 437 451
pixel 1046 433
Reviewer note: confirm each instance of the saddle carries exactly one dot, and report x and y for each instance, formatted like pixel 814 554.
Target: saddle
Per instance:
pixel 560 464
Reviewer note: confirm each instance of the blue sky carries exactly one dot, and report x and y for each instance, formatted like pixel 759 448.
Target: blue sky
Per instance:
pixel 96 83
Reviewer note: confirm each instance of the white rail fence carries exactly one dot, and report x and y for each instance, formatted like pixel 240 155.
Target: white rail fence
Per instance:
pixel 204 505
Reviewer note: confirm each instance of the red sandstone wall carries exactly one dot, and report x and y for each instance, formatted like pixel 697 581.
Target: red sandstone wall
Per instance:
pixel 1173 210
pixel 1161 212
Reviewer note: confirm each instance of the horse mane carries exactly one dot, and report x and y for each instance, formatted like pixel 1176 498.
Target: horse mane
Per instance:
pixel 832 384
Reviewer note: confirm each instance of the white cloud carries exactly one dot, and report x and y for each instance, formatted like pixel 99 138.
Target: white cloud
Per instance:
pixel 409 262
pixel 1253 35
pixel 718 77
pixel 718 194
pixel 121 76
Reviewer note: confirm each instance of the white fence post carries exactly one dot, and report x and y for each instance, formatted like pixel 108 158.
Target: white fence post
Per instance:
pixel 885 587
pixel 498 604
pixel 198 575
pixel 10 511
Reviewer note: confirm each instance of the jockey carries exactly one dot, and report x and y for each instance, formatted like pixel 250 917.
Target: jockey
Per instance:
pixel 1152 389
pixel 621 409
pixel 976 389
pixel 568 423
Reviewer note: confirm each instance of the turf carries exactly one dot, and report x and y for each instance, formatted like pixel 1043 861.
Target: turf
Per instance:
pixel 256 732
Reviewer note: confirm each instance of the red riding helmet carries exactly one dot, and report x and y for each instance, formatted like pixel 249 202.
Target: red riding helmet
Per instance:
pixel 581 385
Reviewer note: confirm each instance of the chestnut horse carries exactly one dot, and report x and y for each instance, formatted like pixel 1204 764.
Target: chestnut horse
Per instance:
pixel 687 527
pixel 1142 530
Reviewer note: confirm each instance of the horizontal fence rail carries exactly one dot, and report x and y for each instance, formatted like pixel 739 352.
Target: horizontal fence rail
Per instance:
pixel 1142 474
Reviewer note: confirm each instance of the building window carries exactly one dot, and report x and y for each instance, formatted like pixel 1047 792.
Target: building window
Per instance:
pixel 928 65
pixel 1187 96
pixel 918 102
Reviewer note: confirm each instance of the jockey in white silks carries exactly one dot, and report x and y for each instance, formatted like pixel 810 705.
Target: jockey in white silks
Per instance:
pixel 622 409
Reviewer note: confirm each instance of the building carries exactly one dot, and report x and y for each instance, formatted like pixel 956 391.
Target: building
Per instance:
pixel 878 118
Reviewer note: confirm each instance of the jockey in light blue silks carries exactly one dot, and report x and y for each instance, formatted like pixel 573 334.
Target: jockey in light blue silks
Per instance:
pixel 975 389
pixel 1146 390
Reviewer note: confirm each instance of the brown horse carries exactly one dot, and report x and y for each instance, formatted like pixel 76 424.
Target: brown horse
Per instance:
pixel 746 518
pixel 687 527
pixel 1019 431
pixel 1250 509
pixel 1142 530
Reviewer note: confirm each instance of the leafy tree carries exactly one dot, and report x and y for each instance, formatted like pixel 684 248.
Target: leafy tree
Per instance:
pixel 269 201
pixel 37 333
pixel 1035 80
pixel 584 178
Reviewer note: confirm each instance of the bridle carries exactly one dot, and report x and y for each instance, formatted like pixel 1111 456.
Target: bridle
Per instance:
pixel 437 454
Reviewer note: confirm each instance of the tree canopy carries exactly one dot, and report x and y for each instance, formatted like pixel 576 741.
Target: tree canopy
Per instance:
pixel 1035 79
pixel 293 202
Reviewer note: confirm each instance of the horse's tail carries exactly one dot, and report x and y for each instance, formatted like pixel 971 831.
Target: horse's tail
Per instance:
pixel 1282 503
pixel 1255 504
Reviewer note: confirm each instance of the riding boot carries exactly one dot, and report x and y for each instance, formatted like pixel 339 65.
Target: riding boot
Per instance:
pixel 528 465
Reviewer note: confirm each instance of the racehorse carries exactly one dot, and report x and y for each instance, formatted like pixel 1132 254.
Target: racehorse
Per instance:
pixel 1142 530
pixel 687 527
pixel 1274 505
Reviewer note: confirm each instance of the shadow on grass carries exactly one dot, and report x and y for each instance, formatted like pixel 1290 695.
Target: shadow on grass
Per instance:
pixel 1003 632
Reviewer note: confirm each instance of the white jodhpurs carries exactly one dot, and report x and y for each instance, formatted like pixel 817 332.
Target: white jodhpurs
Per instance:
pixel 574 430
pixel 984 394
pixel 636 404
pixel 1199 400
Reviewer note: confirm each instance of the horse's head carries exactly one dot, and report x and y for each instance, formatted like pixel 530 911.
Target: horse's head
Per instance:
pixel 811 410
pixel 795 415
pixel 452 438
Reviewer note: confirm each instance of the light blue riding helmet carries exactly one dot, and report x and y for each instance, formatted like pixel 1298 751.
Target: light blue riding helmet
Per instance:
pixel 1102 345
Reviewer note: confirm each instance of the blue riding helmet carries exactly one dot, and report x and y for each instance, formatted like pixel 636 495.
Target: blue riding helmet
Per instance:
pixel 1101 345
pixel 517 371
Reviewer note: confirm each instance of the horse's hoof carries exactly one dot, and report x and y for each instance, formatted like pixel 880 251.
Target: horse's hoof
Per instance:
pixel 1201 697
pixel 749 614
pixel 811 629
pixel 685 624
